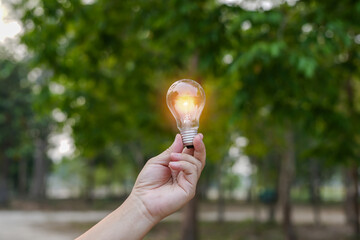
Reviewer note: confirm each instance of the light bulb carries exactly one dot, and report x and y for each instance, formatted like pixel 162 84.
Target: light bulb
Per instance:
pixel 186 100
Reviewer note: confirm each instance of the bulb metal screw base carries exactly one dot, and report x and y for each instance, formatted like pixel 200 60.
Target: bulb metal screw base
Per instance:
pixel 188 137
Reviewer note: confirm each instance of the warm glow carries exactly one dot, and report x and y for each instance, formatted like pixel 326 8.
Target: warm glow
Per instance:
pixel 185 104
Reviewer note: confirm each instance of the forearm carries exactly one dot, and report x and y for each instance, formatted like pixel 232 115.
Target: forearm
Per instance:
pixel 129 221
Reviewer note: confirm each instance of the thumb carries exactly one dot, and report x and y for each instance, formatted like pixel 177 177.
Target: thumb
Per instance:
pixel 176 147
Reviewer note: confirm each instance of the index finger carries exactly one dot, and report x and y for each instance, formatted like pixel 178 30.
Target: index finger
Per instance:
pixel 199 149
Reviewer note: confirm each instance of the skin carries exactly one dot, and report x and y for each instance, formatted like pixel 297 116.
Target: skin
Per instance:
pixel 165 184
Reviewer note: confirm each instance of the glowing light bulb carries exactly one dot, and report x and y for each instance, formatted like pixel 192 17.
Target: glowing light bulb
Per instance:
pixel 186 100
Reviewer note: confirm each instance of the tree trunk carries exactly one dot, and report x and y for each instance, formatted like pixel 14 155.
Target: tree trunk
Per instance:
pixel 38 188
pixel 272 206
pixel 221 198
pixel 256 202
pixel 347 200
pixel 203 187
pixel 90 181
pixel 251 194
pixel 22 177
pixel 189 222
pixel 314 190
pixel 271 213
pixel 353 193
pixel 285 180
pixel 221 206
pixel 353 169
pixel 4 184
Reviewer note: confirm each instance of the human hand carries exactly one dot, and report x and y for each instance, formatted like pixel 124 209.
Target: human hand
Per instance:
pixel 168 181
pixel 165 184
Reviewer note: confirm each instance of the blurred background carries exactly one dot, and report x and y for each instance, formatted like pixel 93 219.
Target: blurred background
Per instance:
pixel 82 108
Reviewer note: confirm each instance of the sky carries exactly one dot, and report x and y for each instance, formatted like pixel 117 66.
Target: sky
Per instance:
pixel 9 28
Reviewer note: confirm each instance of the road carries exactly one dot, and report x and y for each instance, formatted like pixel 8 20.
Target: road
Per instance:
pixel 56 225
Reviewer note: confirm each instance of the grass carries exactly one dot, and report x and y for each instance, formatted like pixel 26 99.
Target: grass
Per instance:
pixel 245 230
pixel 216 231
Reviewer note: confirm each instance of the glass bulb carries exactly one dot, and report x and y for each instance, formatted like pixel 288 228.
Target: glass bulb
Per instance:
pixel 186 100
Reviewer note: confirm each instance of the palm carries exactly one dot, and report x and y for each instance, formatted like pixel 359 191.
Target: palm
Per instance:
pixel 162 188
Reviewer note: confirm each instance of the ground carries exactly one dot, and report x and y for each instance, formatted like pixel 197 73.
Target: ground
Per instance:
pixel 240 224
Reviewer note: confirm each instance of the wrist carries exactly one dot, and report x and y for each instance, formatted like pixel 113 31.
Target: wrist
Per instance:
pixel 141 208
pixel 130 221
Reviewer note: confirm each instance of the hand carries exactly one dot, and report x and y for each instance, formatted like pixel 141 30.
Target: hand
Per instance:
pixel 164 185
pixel 168 181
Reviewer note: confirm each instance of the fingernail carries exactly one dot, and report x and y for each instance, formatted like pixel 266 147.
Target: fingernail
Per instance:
pixel 176 156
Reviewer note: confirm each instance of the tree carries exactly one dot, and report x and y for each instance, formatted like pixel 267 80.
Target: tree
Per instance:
pixel 15 112
pixel 288 74
pixel 116 72
pixel 283 68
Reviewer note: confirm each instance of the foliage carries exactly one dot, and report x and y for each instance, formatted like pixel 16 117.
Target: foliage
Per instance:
pixel 264 71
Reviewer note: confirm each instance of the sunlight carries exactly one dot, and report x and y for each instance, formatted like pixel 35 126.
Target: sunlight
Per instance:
pixel 9 28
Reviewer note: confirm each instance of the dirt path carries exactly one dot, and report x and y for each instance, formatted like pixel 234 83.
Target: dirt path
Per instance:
pixel 39 225
pixel 51 225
